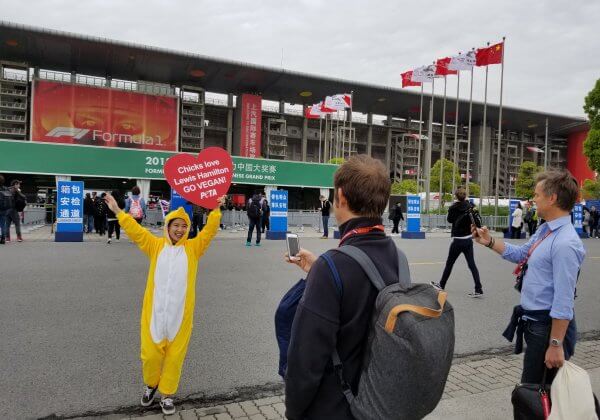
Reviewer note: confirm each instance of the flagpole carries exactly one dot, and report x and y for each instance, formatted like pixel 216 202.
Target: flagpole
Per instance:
pixel 482 146
pixel 443 147
pixel 456 164
pixel 469 134
pixel 429 147
pixel 499 133
pixel 350 117
pixel 320 121
pixel 419 140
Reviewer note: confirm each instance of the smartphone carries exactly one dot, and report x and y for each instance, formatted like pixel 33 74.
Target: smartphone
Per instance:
pixel 474 221
pixel 293 245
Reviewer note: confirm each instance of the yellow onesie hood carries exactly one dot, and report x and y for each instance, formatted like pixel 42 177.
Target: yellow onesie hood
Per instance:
pixel 180 213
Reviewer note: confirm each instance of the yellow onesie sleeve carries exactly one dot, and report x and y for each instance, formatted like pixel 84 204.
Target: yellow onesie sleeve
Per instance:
pixel 201 242
pixel 138 234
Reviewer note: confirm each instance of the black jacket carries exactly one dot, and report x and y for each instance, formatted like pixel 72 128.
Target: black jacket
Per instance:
pixel 325 320
pixel 325 208
pixel 459 217
pixel 88 206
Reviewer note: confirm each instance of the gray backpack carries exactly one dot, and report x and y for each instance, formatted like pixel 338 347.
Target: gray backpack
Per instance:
pixel 409 349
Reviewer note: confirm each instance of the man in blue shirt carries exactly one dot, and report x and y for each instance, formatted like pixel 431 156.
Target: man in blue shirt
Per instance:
pixel 553 255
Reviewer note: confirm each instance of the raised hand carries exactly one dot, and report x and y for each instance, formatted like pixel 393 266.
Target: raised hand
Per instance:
pixel 112 204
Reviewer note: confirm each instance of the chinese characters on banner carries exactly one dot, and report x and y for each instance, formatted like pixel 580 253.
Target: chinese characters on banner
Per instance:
pixel 69 211
pixel 413 213
pixel 251 171
pixel 578 218
pixel 250 134
pixel 279 210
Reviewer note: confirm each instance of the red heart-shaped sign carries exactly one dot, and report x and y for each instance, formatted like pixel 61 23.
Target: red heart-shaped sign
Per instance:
pixel 203 179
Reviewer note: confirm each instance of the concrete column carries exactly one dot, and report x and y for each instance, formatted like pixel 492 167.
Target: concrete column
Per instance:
pixel 304 145
pixel 369 133
pixel 282 108
pixel 388 144
pixel 229 140
pixel 73 77
pixel 144 185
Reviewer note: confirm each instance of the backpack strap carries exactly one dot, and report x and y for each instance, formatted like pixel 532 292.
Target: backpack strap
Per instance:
pixel 336 276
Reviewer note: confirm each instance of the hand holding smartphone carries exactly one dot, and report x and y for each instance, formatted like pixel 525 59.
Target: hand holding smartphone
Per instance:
pixel 293 246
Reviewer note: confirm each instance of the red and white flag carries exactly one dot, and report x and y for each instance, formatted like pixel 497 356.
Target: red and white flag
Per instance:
pixel 407 79
pixel 314 111
pixel 489 55
pixel 423 74
pixel 462 61
pixel 535 149
pixel 338 102
pixel 325 109
pixel 441 67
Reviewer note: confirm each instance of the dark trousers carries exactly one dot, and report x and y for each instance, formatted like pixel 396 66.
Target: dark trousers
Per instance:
pixel 457 247
pixel 100 225
pixel 265 224
pixel 516 232
pixel 3 224
pixel 396 223
pixel 114 226
pixel 536 338
pixel 254 223
pixel 325 226
pixel 532 227
pixel 197 225
pixel 12 216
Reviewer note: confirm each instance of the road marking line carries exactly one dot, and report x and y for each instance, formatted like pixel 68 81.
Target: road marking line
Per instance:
pixel 428 263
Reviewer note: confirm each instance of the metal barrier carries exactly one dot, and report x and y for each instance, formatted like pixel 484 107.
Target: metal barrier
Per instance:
pixel 34 214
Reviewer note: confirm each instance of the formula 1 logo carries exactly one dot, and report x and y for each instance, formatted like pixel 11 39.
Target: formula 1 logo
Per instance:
pixel 76 133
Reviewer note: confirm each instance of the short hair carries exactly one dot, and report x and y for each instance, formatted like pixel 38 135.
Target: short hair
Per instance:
pixel 366 185
pixel 561 183
pixel 461 194
pixel 135 190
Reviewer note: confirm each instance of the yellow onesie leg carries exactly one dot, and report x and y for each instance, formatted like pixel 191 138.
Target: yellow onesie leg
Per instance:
pixel 153 356
pixel 173 362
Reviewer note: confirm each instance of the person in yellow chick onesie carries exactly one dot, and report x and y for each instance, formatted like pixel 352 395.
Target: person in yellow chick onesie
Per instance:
pixel 168 308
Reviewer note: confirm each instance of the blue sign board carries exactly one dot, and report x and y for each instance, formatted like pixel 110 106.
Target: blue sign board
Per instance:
pixel 69 211
pixel 578 218
pixel 178 201
pixel 279 211
pixel 413 218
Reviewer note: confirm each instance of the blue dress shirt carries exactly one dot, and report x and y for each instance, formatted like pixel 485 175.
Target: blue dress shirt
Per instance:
pixel 551 277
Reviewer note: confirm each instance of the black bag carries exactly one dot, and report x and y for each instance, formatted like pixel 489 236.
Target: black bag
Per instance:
pixel 527 401
pixel 6 199
pixel 20 202
pixel 254 210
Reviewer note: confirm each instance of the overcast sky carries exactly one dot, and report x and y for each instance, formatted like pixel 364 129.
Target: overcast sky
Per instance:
pixel 552 51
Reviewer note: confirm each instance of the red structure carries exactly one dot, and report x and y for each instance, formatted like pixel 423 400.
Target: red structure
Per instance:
pixel 576 161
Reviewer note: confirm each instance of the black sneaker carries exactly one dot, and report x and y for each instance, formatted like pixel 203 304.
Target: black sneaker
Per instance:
pixel 148 396
pixel 436 285
pixel 475 294
pixel 167 405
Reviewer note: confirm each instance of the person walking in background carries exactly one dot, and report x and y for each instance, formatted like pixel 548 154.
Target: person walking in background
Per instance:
pixel 594 219
pixel 18 205
pixel 325 211
pixel 136 205
pixel 585 223
pixel 100 212
pixel 517 222
pixel 459 214
pixel 88 213
pixel 6 204
pixel 254 212
pixel 396 216
pixel 528 218
pixel 266 213
pixel 113 223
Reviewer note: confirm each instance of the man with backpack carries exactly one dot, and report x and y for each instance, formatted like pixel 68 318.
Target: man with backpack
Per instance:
pixel 254 212
pixel 337 348
pixel 266 213
pixel 6 203
pixel 18 205
pixel 135 205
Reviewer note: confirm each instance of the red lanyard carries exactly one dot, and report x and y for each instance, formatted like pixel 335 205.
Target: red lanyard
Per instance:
pixel 361 231
pixel 535 245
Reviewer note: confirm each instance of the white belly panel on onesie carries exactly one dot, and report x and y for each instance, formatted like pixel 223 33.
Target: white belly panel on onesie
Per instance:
pixel 170 287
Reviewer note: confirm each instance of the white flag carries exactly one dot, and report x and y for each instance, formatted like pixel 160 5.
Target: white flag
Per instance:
pixel 338 102
pixel 314 111
pixel 462 61
pixel 423 74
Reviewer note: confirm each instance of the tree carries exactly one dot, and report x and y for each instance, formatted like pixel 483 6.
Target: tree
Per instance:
pixel 591 149
pixel 404 187
pixel 449 169
pixel 336 161
pixel 592 106
pixel 591 146
pixel 526 179
pixel 591 189
pixel 474 189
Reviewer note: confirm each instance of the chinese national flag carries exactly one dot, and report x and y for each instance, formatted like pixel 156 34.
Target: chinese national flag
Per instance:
pixel 441 67
pixel 407 79
pixel 489 55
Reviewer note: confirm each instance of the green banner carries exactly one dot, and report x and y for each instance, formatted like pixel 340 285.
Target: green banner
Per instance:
pixel 50 159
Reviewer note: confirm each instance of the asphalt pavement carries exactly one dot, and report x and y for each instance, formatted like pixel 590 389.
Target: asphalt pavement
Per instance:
pixel 69 318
